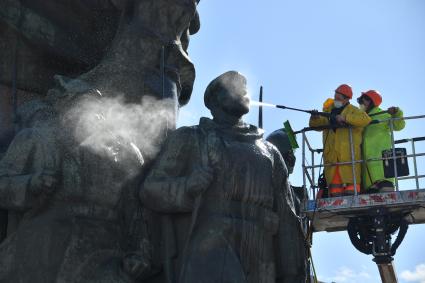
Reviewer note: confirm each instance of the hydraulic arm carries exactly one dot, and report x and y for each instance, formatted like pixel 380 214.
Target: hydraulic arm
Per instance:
pixel 372 233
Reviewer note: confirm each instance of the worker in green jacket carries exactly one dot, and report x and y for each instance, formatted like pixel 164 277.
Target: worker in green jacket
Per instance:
pixel 377 138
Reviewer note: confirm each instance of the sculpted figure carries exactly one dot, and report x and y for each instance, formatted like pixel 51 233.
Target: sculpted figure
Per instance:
pixel 227 194
pixel 41 38
pixel 28 171
pixel 74 208
pixel 147 56
pixel 279 138
pixel 89 225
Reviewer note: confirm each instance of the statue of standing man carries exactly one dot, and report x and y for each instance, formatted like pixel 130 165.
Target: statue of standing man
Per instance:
pixel 226 190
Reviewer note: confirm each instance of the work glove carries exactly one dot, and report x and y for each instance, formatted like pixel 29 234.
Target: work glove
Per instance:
pixel 314 114
pixel 392 110
pixel 340 119
pixel 199 180
pixel 332 120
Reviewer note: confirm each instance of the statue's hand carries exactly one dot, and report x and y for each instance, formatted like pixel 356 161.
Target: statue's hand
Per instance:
pixel 135 265
pixel 43 182
pixel 199 180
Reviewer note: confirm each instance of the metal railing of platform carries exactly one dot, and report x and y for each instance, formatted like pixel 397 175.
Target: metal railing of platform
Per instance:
pixel 310 168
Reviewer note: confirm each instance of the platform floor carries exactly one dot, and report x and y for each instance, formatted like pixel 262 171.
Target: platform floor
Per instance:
pixel 332 214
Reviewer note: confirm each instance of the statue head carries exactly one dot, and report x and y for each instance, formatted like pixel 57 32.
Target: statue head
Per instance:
pixel 147 28
pixel 280 139
pixel 226 95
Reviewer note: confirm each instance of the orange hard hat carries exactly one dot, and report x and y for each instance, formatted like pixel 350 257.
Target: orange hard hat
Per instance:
pixel 345 90
pixel 374 96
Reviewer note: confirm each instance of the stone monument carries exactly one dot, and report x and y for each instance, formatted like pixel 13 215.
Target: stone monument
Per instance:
pixel 92 90
pixel 69 179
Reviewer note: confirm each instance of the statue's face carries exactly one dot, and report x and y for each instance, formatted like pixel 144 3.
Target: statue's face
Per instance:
pixel 234 99
pixel 290 159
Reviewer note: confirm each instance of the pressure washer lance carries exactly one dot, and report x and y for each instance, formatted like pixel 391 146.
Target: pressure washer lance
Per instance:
pixel 312 112
pixel 315 112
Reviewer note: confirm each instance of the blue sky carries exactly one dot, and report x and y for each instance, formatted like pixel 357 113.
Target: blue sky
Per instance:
pixel 300 51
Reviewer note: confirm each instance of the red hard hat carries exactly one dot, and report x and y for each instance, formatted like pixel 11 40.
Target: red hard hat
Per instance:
pixel 374 96
pixel 345 90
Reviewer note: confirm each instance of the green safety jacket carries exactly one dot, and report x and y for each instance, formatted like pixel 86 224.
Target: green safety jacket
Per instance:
pixel 376 138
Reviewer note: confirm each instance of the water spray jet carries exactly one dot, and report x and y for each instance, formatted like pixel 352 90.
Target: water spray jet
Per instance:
pixel 312 112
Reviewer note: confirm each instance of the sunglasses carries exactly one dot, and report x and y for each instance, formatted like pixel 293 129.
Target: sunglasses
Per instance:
pixel 363 98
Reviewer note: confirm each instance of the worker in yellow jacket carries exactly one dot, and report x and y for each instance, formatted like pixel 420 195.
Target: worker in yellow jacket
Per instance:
pixel 336 142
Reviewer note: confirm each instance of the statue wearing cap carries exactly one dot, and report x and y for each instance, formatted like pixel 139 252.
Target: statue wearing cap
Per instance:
pixel 227 193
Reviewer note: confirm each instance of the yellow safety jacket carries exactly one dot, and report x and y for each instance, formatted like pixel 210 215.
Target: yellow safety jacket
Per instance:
pixel 336 142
